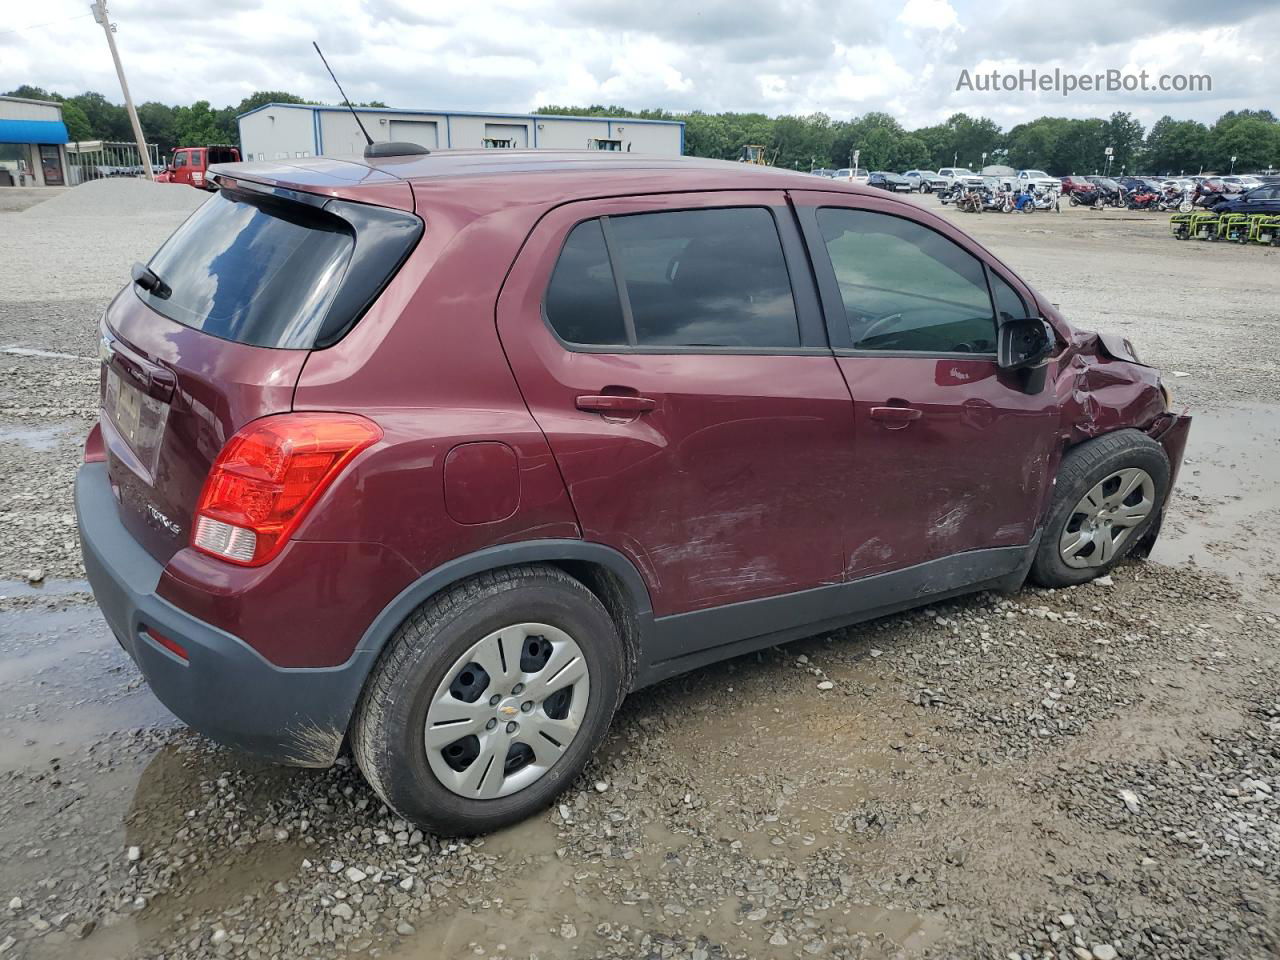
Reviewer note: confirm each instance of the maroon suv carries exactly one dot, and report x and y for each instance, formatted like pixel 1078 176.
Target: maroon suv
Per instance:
pixel 442 455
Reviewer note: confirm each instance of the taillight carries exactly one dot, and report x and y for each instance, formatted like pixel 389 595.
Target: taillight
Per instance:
pixel 268 476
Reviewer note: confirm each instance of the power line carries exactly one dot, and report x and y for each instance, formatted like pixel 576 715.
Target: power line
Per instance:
pixel 50 23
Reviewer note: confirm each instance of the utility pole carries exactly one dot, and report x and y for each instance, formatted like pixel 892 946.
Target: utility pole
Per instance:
pixel 99 9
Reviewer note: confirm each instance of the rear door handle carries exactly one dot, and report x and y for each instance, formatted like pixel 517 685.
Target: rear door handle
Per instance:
pixel 898 415
pixel 613 403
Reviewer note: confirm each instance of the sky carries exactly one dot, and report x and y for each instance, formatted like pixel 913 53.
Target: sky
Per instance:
pixel 841 57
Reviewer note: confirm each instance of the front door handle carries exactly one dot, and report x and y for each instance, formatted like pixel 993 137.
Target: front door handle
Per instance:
pixel 895 418
pixel 616 404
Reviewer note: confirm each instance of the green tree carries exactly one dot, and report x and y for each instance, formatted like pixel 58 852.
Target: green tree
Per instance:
pixel 29 92
pixel 77 123
pixel 262 97
pixel 1124 135
pixel 197 125
pixel 1175 146
pixel 107 120
pixel 1251 136
pixel 159 125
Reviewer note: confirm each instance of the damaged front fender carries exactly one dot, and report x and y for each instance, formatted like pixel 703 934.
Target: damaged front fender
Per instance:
pixel 1100 390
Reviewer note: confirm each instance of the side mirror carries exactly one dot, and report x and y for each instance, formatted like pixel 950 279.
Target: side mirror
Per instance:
pixel 1023 344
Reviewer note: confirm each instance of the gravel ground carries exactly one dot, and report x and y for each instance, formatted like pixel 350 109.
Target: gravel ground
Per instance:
pixel 1075 774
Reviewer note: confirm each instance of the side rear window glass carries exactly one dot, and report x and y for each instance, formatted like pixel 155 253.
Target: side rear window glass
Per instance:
pixel 1009 305
pixel 582 299
pixel 905 287
pixel 699 278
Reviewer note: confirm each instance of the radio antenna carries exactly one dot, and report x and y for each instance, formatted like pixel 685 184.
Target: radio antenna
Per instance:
pixel 368 139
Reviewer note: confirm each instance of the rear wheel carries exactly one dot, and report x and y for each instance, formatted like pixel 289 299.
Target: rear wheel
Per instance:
pixel 1109 493
pixel 489 700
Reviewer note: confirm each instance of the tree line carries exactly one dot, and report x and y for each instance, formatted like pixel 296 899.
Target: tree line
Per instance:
pixel 1060 145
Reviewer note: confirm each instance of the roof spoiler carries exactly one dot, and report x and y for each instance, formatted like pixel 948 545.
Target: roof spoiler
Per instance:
pixel 400 148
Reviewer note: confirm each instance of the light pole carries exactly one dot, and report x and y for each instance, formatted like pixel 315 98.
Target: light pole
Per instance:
pixel 1233 164
pixel 100 15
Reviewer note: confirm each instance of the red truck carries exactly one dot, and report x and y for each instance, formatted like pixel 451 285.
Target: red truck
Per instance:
pixel 190 165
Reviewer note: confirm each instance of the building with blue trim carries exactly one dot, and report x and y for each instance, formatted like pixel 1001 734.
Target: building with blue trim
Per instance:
pixel 32 143
pixel 279 131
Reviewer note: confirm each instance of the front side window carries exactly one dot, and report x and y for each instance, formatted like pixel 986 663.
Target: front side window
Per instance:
pixel 180 159
pixel 1009 304
pixel 906 288
pixel 687 278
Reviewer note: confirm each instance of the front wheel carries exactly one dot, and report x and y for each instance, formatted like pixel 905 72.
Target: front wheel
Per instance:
pixel 1110 490
pixel 489 700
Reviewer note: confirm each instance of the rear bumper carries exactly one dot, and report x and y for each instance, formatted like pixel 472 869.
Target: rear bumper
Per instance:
pixel 225 689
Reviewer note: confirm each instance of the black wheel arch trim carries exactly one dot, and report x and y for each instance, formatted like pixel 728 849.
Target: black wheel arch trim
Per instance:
pixel 493 558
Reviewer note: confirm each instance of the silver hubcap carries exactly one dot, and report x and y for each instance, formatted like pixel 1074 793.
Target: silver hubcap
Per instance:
pixel 1105 517
pixel 507 711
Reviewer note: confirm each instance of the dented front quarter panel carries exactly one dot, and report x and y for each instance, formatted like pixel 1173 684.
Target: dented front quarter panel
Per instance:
pixel 1099 392
pixel 1102 386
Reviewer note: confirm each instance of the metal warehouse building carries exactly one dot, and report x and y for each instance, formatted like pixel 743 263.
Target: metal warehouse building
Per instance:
pixel 280 131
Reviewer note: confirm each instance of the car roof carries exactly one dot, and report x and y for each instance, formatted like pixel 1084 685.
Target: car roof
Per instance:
pixel 500 177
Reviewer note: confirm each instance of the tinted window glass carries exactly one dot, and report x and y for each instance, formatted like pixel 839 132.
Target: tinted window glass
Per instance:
pixel 179 159
pixel 706 278
pixel 1009 305
pixel 582 299
pixel 905 287
pixel 254 271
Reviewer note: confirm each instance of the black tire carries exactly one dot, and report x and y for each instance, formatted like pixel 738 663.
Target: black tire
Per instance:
pixel 1082 468
pixel 388 734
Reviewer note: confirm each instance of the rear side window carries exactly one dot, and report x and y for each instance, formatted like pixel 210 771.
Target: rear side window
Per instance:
pixel 686 278
pixel 272 272
pixel 582 299
pixel 905 287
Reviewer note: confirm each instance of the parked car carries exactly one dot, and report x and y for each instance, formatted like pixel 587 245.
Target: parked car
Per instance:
pixel 823 172
pixel 466 448
pixel 925 181
pixel 850 175
pixel 963 174
pixel 1074 184
pixel 190 165
pixel 889 181
pixel 1243 182
pixel 1264 199
pixel 1037 180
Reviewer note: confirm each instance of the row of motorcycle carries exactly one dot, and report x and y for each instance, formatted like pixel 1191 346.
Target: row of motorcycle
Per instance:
pixel 1000 198
pixel 1003 197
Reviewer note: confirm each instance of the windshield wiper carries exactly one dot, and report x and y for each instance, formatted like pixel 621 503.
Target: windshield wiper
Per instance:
pixel 150 281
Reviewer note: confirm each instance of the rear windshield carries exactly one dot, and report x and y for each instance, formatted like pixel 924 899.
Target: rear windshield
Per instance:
pixel 254 270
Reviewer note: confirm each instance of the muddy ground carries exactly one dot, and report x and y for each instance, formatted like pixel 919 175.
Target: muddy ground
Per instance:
pixel 1083 773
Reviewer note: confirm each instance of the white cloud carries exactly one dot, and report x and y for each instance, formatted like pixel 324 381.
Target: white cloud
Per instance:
pixel 838 56
pixel 928 15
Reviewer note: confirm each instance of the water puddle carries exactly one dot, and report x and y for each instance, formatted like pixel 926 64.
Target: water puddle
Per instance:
pixel 37 438
pixel 1225 515
pixel 66 681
